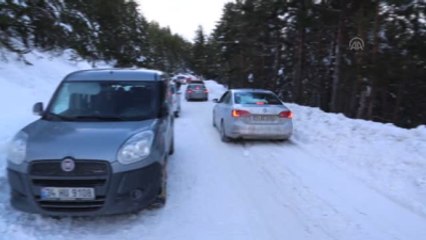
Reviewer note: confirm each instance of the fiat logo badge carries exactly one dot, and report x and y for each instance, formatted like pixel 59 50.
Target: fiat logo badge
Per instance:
pixel 67 165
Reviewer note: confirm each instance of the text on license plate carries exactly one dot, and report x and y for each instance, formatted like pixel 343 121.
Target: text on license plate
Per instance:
pixel 64 193
pixel 264 118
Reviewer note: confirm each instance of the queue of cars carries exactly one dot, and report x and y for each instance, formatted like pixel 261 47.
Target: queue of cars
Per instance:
pixel 102 143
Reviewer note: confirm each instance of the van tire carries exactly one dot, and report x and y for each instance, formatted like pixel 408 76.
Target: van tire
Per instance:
pixel 160 199
pixel 172 146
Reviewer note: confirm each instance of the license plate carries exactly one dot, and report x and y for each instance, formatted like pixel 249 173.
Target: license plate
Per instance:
pixel 264 118
pixel 63 193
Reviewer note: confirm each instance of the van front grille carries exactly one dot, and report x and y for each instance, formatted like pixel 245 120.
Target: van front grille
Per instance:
pixel 86 174
pixel 82 168
pixel 71 206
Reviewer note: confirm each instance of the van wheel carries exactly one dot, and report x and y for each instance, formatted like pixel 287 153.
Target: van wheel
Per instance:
pixel 172 146
pixel 160 200
pixel 223 136
pixel 176 114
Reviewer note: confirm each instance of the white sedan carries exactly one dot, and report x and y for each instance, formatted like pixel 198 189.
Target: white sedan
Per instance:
pixel 252 114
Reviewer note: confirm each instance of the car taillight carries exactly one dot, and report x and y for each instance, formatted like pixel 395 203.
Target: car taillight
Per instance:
pixel 206 91
pixel 236 113
pixel 286 114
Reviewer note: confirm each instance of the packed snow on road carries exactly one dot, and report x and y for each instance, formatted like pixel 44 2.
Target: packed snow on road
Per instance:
pixel 336 178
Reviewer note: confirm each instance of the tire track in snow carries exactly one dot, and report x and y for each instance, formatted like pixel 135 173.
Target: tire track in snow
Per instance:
pixel 356 209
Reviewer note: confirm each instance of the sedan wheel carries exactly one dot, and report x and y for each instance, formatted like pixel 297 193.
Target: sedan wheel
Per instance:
pixel 223 136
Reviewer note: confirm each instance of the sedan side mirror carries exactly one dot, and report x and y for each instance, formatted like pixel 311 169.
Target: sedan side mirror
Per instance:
pixel 215 100
pixel 38 109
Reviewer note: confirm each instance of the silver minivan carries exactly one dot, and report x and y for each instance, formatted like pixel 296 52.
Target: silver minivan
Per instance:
pixel 100 147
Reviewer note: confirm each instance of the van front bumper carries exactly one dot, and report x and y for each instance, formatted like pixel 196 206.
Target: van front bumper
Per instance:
pixel 116 193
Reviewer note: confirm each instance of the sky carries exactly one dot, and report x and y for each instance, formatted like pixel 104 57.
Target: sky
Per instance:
pixel 183 16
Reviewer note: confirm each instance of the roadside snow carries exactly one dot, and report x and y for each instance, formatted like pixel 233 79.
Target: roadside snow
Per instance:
pixel 337 178
pixel 389 159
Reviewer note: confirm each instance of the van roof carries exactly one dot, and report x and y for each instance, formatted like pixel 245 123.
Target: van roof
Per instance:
pixel 114 74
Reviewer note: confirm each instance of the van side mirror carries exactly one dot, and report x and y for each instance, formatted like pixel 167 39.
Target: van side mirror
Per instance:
pixel 38 109
pixel 215 100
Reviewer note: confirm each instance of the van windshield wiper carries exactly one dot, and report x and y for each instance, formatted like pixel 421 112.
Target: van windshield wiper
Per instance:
pixel 99 117
pixel 53 116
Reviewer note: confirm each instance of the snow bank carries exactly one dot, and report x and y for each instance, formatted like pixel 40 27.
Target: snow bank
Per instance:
pixel 215 90
pixel 390 159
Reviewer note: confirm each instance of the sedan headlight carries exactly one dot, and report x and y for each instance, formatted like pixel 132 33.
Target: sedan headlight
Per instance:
pixel 136 148
pixel 17 150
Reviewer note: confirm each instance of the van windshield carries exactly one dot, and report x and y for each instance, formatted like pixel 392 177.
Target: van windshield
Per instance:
pixel 105 101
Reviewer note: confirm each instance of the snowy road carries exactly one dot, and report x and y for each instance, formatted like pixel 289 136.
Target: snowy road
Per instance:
pixel 251 190
pixel 337 179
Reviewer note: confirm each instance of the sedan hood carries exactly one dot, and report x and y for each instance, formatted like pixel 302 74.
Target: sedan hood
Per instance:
pixel 80 140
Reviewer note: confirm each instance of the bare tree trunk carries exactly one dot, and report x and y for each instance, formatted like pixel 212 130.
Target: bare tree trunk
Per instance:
pixel 398 103
pixel 365 90
pixel 385 113
pixel 298 68
pixel 372 97
pixel 362 103
pixel 337 65
pixel 298 78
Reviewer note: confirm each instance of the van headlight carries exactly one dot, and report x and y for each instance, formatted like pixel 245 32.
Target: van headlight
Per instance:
pixel 136 148
pixel 17 150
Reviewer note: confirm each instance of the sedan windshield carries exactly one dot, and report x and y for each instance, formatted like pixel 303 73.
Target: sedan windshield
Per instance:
pixel 104 101
pixel 259 98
